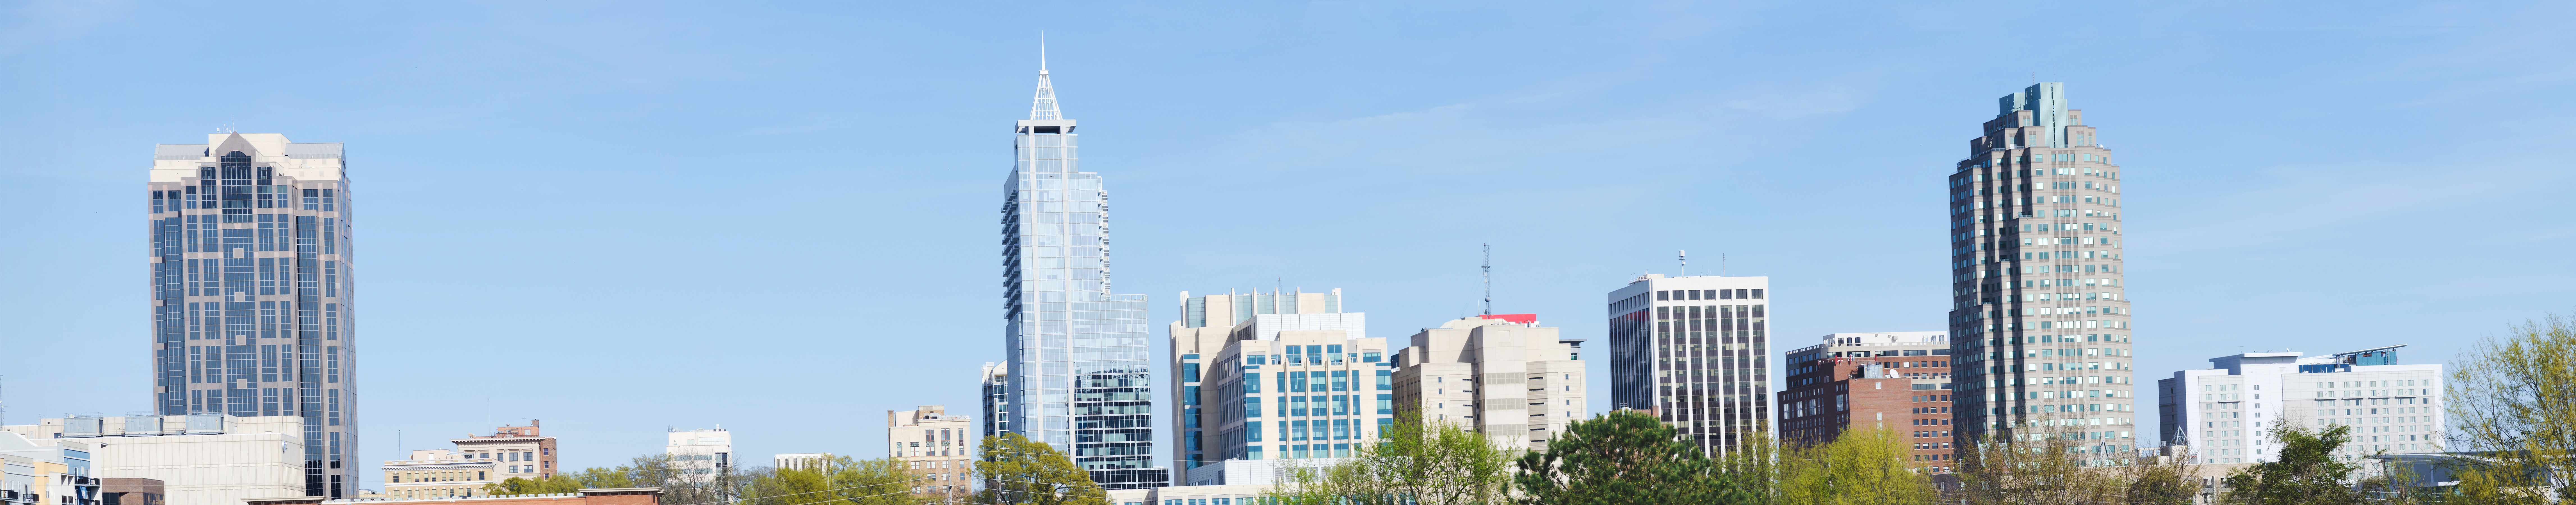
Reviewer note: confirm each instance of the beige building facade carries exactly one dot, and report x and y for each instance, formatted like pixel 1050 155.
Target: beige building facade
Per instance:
pixel 935 448
pixel 511 451
pixel 439 473
pixel 518 451
pixel 1502 375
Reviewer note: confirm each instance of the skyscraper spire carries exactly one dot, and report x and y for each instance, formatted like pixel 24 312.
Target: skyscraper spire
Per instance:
pixel 1044 108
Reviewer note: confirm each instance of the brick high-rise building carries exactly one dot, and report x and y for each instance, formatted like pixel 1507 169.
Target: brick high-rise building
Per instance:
pixel 2039 321
pixel 1897 381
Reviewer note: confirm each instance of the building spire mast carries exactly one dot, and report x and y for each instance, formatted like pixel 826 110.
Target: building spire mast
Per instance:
pixel 1044 107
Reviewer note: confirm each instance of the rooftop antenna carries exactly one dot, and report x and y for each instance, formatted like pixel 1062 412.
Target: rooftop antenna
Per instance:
pixel 1721 264
pixel 1042 51
pixel 1489 277
pixel 1684 254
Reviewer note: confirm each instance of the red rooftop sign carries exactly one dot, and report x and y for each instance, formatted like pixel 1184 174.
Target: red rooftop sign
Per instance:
pixel 1517 318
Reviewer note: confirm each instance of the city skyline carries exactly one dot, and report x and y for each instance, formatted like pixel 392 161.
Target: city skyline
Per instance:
pixel 1395 178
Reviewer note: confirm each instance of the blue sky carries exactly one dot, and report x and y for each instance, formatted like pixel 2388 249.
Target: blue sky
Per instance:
pixel 622 216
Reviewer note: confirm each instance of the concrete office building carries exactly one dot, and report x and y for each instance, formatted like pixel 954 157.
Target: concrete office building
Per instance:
pixel 1694 352
pixel 253 288
pixel 2223 412
pixel 1079 366
pixel 701 454
pixel 1276 376
pixel 1897 381
pixel 2038 317
pixel 201 459
pixel 933 447
pixel 1503 375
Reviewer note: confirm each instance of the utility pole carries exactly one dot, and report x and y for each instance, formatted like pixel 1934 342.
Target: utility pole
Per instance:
pixel 1489 278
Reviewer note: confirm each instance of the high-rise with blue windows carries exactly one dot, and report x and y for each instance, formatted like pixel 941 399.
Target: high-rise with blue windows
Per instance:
pixel 1079 373
pixel 251 291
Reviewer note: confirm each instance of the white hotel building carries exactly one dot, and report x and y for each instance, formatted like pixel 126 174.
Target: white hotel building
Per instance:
pixel 2223 412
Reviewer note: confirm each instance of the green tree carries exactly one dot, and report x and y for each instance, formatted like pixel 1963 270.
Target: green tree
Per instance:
pixel 521 485
pixel 840 481
pixel 2167 481
pixel 2305 471
pixel 2037 464
pixel 1624 457
pixel 1754 464
pixel 1414 462
pixel 658 471
pixel 1017 470
pixel 2512 400
pixel 1868 466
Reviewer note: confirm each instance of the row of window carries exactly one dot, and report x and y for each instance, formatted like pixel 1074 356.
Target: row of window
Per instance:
pixel 1708 311
pixel 1710 294
pixel 1298 406
pixel 1316 381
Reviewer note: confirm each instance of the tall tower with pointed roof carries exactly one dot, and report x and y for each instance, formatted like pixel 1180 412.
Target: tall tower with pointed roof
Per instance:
pixel 252 289
pixel 1080 369
pixel 2039 314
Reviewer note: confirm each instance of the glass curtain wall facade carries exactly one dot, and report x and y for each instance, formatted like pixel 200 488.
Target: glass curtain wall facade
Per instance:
pixel 2039 318
pixel 1079 375
pixel 251 290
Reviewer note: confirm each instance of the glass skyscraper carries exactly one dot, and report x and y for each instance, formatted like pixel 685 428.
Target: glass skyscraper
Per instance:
pixel 1079 375
pixel 251 290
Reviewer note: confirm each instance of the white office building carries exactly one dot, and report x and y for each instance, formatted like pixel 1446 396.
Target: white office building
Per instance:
pixel 203 459
pixel 1694 352
pixel 701 454
pixel 2223 412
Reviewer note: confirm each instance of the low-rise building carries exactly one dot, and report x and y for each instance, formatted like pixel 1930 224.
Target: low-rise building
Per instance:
pixel 200 459
pixel 811 461
pixel 511 451
pixel 1224 494
pixel 934 447
pixel 439 473
pixel 514 451
pixel 53 471
pixel 609 496
pixel 1898 381
pixel 132 491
